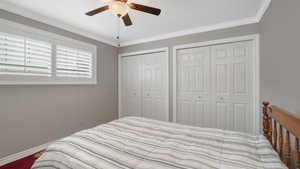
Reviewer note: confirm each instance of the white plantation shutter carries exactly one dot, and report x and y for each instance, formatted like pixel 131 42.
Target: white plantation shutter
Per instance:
pixel 38 57
pixel 21 56
pixel 33 56
pixel 74 63
pixel 12 54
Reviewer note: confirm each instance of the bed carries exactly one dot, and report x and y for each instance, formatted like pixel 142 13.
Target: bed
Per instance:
pixel 139 143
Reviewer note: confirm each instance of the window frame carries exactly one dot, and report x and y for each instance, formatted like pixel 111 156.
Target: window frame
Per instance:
pixel 54 39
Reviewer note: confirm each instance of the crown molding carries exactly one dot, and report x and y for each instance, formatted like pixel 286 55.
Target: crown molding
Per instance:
pixel 263 9
pixel 202 29
pixel 53 22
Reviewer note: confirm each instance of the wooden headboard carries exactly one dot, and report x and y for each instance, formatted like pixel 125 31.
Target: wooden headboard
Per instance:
pixel 278 126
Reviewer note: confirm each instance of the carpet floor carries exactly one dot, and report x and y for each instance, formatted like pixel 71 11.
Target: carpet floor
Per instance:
pixel 24 163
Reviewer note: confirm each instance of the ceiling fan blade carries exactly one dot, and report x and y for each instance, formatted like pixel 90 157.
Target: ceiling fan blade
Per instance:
pixel 96 11
pixel 143 8
pixel 127 21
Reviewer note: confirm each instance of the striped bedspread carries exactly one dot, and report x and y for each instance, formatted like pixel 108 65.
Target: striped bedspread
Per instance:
pixel 137 143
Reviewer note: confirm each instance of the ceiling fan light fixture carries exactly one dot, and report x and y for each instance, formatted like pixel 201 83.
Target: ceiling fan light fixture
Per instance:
pixel 119 8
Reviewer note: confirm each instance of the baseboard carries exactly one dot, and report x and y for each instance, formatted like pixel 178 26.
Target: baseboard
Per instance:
pixel 20 155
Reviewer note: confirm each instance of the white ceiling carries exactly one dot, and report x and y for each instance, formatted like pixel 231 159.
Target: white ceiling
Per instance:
pixel 178 17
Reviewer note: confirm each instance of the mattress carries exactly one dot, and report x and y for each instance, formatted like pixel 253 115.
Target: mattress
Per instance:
pixel 138 143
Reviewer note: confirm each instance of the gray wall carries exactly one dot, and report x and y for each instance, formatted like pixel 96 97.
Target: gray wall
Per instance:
pixel 201 37
pixel 280 57
pixel 61 110
pixel 34 115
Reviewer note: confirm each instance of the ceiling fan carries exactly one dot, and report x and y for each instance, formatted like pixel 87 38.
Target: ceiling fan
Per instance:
pixel 121 8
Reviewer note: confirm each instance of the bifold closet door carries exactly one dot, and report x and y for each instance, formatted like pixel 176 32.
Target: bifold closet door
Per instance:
pixel 193 87
pixel 131 87
pixel 215 86
pixel 232 86
pixel 155 86
pixel 145 86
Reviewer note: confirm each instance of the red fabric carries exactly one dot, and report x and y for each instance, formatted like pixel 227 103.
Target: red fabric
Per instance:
pixel 24 163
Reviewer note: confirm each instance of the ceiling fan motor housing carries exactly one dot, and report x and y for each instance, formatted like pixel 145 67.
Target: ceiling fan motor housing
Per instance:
pixel 119 7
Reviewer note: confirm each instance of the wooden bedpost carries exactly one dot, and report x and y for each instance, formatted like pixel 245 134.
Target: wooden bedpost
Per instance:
pixel 288 156
pixel 297 154
pixel 281 142
pixel 288 123
pixel 266 122
pixel 275 138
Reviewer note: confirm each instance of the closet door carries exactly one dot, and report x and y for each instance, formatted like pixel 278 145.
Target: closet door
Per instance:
pixel 131 87
pixel 232 80
pixel 193 87
pixel 155 86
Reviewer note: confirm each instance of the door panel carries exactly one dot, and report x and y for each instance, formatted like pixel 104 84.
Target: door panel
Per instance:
pixel 193 86
pixel 202 117
pixel 222 80
pixel 224 115
pixel 232 86
pixel 154 82
pixel 242 118
pixel 240 79
pixel 131 94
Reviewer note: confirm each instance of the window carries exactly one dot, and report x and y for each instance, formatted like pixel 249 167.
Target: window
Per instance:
pixel 20 56
pixel 31 56
pixel 73 62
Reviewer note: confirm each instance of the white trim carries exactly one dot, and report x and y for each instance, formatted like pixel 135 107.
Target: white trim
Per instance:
pixel 256 81
pixel 264 7
pixel 168 83
pixel 119 85
pixel 20 155
pixel 165 49
pixel 202 29
pixel 53 22
pixel 174 83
